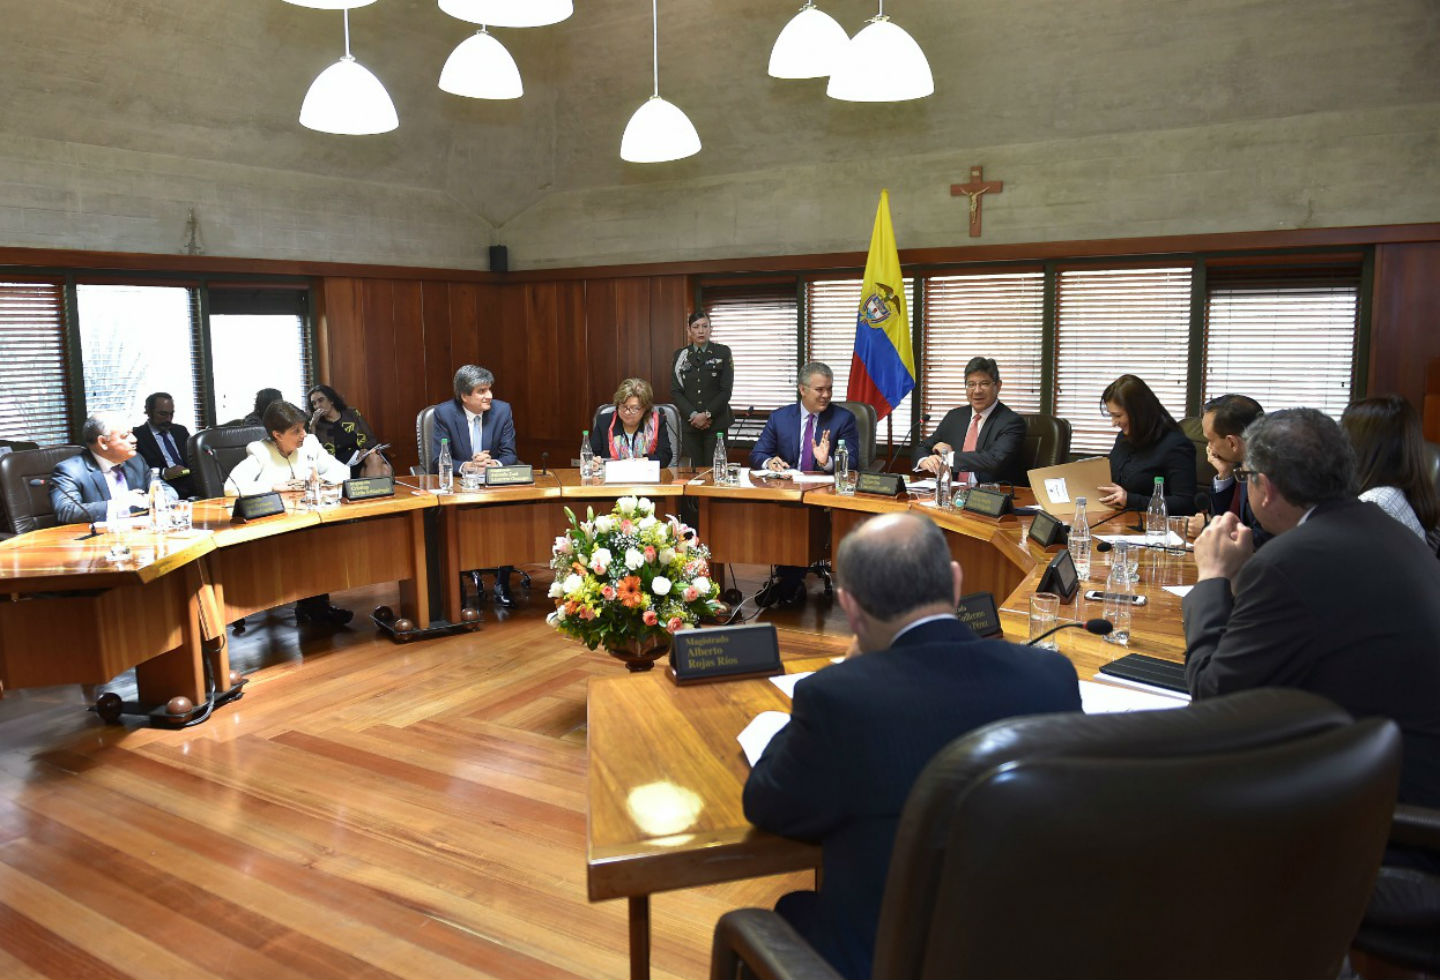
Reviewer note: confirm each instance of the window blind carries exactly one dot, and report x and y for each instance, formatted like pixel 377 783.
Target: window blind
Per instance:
pixel 1111 322
pixel 758 324
pixel 32 333
pixel 998 315
pixel 135 340
pixel 1283 342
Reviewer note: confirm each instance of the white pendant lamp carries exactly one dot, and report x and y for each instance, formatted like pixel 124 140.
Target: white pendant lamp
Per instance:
pixel 481 68
pixel 347 100
pixel 882 63
pixel 331 4
pixel 510 13
pixel 809 46
pixel 658 131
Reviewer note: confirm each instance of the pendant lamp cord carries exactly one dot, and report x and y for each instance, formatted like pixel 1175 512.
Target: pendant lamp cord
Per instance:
pixel 655 35
pixel 346 12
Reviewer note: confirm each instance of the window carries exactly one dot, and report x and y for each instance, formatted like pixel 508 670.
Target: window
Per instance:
pixel 135 340
pixel 1285 343
pixel 1111 322
pixel 257 340
pixel 831 309
pixel 32 334
pixel 758 324
pixel 997 315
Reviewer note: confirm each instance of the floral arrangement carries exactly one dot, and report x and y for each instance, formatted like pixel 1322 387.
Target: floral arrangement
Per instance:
pixel 627 577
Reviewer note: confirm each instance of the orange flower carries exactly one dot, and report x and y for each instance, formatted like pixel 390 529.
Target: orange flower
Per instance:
pixel 629 590
pixel 578 568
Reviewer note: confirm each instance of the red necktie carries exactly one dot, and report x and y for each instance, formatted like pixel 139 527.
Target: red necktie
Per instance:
pixel 1237 499
pixel 807 444
pixel 972 436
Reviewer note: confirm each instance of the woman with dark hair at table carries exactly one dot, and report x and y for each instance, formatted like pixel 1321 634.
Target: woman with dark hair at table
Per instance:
pixel 283 461
pixel 1150 444
pixel 344 433
pixel 1392 464
pixel 637 429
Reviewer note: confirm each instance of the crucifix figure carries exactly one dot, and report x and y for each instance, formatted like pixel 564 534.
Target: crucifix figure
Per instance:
pixel 978 185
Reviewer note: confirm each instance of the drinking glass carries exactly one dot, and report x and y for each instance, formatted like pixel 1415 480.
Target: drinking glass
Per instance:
pixel 181 516
pixel 1178 528
pixel 1044 610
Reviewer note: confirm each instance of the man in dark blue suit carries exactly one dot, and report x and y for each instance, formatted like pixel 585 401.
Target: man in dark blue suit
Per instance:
pixel 860 732
pixel 803 436
pixel 82 487
pixel 162 443
pixel 1223 422
pixel 783 443
pixel 481 429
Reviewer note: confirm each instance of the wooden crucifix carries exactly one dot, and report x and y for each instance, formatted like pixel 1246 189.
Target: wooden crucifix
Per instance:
pixel 978 185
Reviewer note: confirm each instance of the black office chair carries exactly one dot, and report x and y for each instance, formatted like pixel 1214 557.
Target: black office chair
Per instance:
pixel 424 432
pixel 1402 921
pixel 24 483
pixel 1047 440
pixel 227 443
pixel 1204 472
pixel 601 422
pixel 1237 837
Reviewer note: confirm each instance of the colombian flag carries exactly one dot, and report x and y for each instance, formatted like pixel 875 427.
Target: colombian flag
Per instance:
pixel 882 371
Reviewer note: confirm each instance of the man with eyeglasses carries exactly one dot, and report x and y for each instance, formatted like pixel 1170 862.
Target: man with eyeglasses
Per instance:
pixel 1344 602
pixel 1223 422
pixel 82 486
pixel 990 437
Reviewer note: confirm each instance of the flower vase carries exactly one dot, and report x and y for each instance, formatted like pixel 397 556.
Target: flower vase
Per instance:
pixel 639 654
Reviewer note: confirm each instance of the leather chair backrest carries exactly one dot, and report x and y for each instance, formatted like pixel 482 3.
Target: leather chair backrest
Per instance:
pixel 866 421
pixel 669 412
pixel 1433 451
pixel 424 429
pixel 24 481
pixel 1204 472
pixel 1047 440
pixel 1239 836
pixel 228 443
pixel 15 445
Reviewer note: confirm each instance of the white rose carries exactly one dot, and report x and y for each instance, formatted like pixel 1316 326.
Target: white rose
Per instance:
pixel 660 585
pixel 601 556
pixel 626 505
pixel 646 523
pixel 604 523
pixel 667 555
pixel 573 584
pixel 646 505
pixel 633 558
pixel 702 585
pixel 556 590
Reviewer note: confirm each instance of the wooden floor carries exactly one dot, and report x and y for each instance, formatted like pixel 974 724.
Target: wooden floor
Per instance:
pixel 366 810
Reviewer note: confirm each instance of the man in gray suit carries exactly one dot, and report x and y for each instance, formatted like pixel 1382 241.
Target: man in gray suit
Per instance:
pixel 1344 601
pixel 82 487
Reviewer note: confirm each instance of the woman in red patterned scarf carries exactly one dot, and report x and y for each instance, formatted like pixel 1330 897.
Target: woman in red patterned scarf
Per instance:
pixel 635 429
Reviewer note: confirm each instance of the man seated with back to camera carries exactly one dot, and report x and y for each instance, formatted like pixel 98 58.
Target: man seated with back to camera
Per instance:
pixel 481 429
pixel 982 439
pixel 860 732
pixel 82 486
pixel 1343 602
pixel 1224 422
pixel 803 436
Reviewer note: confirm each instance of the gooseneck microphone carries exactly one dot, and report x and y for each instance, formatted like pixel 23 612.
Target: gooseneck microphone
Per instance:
pixel 544 461
pixel 904 442
pixel 1203 504
pixel 78 503
pixel 1100 627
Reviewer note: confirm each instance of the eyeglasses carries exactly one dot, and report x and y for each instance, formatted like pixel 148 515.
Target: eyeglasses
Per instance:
pixel 979 385
pixel 1242 474
pixel 632 409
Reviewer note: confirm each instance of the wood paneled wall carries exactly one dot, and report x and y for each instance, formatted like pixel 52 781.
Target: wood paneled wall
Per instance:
pixel 1405 326
pixel 557 349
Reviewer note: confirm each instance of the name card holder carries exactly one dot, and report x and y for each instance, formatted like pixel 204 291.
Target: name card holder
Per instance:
pixel 880 484
pixel 725 653
pixel 994 504
pixel 368 488
pixel 257 505
pixel 632 471
pixel 519 475
pixel 977 611
pixel 1048 531
pixel 1061 578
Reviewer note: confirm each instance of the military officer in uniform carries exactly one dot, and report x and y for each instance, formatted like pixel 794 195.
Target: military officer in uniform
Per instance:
pixel 701 377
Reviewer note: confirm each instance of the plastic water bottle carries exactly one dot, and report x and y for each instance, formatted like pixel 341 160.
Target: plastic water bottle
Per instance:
pixel 1155 516
pixel 1079 541
pixel 1117 603
pixel 445 468
pixel 943 487
pixel 842 467
pixel 587 456
pixel 159 509
pixel 721 463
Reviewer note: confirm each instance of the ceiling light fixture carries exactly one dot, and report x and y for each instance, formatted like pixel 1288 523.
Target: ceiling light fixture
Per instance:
pixel 331 4
pixel 809 46
pixel 481 68
pixel 882 63
pixel 658 131
pixel 510 13
pixel 347 100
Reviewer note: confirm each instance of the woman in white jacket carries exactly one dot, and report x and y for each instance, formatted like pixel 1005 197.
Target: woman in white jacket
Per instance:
pixel 284 460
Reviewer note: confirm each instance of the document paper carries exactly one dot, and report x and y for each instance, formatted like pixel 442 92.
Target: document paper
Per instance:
pixel 762 728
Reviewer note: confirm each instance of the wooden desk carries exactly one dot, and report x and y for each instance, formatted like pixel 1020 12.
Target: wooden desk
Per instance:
pixel 762 523
pixel 665 780
pixel 75 617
